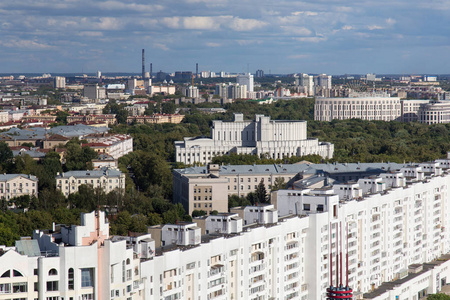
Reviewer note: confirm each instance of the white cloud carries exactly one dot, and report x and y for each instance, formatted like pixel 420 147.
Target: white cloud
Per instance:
pixel 201 23
pixel 300 31
pixel 90 33
pixel 239 24
pixel 311 39
pixel 117 5
pixel 171 22
pixel 107 23
pixel 212 23
pixel 248 42
pixel 298 56
pixel 210 44
pixel 161 46
pixel 305 13
pixel 374 27
pixel 347 27
pixel 25 44
pixel 390 21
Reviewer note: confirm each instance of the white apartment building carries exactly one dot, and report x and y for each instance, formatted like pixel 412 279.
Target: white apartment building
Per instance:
pixel 396 225
pixel 358 106
pixel 16 185
pixel 136 109
pixel 59 82
pixel 323 81
pixel 307 82
pixel 411 108
pixel 115 145
pixel 246 79
pixel 434 112
pixel 107 179
pixel 263 137
pixel 191 92
pixel 77 262
pixel 393 226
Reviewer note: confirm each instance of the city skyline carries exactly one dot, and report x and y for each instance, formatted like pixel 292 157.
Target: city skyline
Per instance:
pixel 323 37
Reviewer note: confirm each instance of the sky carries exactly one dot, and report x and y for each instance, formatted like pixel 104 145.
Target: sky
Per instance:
pixel 279 37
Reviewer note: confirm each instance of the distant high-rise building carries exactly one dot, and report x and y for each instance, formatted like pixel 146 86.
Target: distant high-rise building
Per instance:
pixel 59 82
pixel 323 80
pixel 307 82
pixel 246 79
pixel 99 74
pixel 93 91
pixel 259 73
pixel 143 63
pixel 371 77
pixel 191 92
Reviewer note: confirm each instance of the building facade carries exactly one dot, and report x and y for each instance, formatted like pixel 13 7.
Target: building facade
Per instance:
pixel 107 179
pixel 208 188
pixel 262 137
pixel 358 106
pixel 16 185
pixel 245 79
pixel 434 112
pixel 115 145
pixel 393 226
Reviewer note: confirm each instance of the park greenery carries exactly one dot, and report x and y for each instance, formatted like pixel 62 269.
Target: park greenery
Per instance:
pixel 148 193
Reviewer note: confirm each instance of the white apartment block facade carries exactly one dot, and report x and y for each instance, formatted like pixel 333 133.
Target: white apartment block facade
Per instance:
pixel 434 112
pixel 108 179
pixel 263 137
pixel 365 107
pixel 116 145
pixel 246 79
pixel 397 223
pixel 16 185
pixel 411 109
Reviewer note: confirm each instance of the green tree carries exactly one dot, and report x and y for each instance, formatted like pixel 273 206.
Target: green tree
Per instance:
pixel 261 193
pixel 279 184
pixel 198 213
pixel 438 297
pixel 61 117
pixel 6 155
pixel 138 223
pixel 168 108
pixel 77 157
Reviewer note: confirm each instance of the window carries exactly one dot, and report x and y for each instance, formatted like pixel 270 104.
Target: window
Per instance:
pixel 17 273
pixel 6 274
pixel 71 280
pixel 5 288
pixel 306 207
pixel 52 286
pixel 52 272
pixel 86 277
pixel 20 287
pixel 87 297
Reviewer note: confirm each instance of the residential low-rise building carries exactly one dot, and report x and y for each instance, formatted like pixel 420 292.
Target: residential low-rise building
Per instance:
pixel 16 185
pixel 107 179
pixel 156 119
pixel 115 145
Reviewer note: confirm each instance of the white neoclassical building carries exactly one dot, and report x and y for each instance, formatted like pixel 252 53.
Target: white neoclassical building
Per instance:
pixel 263 137
pixel 367 106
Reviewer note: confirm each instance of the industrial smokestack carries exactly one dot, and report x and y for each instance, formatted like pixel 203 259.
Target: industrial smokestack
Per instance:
pixel 151 70
pixel 196 70
pixel 143 63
